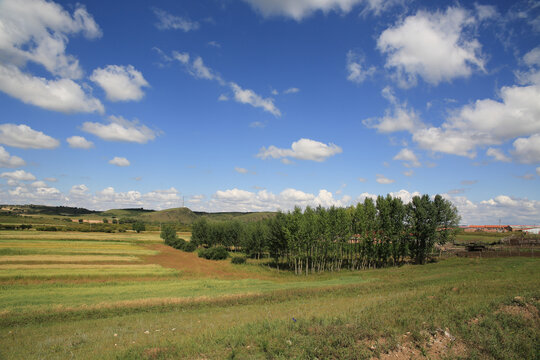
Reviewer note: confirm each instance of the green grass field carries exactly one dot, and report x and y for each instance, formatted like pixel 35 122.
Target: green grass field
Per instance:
pixel 126 303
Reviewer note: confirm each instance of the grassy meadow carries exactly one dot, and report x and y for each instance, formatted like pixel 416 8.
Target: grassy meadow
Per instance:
pixel 127 296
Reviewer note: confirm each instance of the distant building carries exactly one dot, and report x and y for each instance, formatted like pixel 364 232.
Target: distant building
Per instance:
pixel 488 228
pixel 535 231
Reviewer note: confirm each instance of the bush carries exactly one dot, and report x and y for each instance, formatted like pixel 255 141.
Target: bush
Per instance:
pixel 214 253
pixel 238 260
pixel 189 247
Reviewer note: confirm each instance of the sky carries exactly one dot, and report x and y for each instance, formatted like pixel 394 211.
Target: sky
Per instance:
pixel 257 105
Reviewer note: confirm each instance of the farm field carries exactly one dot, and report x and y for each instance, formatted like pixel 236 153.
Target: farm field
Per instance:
pixel 128 296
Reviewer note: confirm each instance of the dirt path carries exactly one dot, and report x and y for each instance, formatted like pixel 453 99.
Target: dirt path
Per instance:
pixel 192 265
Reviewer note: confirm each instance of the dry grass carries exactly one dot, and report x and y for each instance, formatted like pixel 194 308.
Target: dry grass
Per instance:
pixel 66 258
pixel 75 266
pixel 146 236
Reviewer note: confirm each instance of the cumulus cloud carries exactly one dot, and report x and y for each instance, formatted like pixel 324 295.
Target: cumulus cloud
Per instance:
pixel 63 95
pixel 167 21
pixel 538 171
pixel 18 175
pixel 120 83
pixel 120 129
pixel 497 154
pixel 397 118
pixel 248 96
pixel 356 71
pixel 527 150
pixel 408 157
pixel 434 46
pixel 119 161
pixel 381 179
pixel 303 149
pixel 9 161
pixel 78 190
pixel 263 200
pixel 23 136
pixel 79 142
pixel 37 31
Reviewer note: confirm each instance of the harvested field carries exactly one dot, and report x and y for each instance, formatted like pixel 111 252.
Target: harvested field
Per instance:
pixel 66 258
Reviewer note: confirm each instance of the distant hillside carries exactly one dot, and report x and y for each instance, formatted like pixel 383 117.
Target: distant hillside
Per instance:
pixel 177 215
pixel 46 210
pixel 183 215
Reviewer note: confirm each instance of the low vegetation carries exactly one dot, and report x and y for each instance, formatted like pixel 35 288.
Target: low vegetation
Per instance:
pixel 127 295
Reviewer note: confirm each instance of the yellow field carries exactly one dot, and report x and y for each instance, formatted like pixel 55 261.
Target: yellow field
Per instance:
pixel 146 236
pixel 27 247
pixel 66 258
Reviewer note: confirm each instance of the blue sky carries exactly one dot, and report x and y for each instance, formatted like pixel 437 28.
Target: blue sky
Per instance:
pixel 253 105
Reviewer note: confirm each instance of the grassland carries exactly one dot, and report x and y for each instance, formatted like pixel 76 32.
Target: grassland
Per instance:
pixel 120 296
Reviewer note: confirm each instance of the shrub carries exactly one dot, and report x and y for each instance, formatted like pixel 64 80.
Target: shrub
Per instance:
pixel 214 253
pixel 139 226
pixel 189 247
pixel 238 260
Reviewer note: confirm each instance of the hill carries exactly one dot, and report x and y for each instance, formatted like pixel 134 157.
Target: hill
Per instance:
pixel 177 215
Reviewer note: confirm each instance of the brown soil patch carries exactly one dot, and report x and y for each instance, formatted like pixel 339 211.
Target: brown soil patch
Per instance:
pixel 191 264
pixel 526 311
pixel 440 344
pixel 154 353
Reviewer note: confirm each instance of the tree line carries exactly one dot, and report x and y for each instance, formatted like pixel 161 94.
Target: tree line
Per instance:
pixel 375 233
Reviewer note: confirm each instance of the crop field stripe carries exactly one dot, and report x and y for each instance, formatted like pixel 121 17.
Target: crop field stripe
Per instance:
pixel 66 258
pixel 76 266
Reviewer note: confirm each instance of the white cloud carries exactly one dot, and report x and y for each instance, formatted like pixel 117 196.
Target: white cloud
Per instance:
pixel 199 70
pixel 381 179
pixel 50 179
pixel 527 150
pixel 241 170
pixel 9 161
pixel 361 179
pixel 78 190
pixel 37 31
pixel 248 96
pixel 488 122
pixel 119 161
pixel 18 175
pixel 538 171
pixel 434 46
pixel 121 83
pixel 120 129
pixel 23 136
pixel 408 157
pixel 398 118
pixel 39 184
pixel 168 21
pixel 63 95
pixel 292 90
pixel 79 142
pixel 242 200
pixel 355 68
pixel 497 154
pixel 408 173
pixel 303 149
pixel 257 124
pixel 214 44
pixel 300 9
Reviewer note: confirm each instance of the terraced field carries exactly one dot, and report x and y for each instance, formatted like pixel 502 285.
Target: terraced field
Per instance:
pixel 119 296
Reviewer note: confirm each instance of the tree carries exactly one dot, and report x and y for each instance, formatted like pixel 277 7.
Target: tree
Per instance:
pixel 105 221
pixel 168 234
pixel 430 222
pixel 139 226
